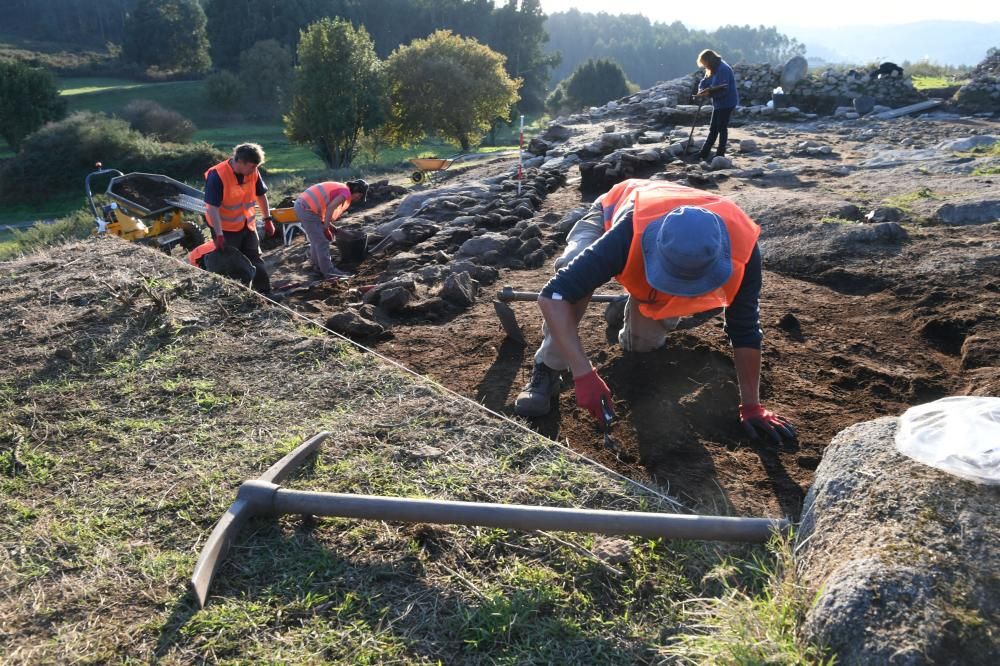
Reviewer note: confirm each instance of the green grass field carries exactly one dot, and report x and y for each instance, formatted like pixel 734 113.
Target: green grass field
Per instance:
pixel 930 82
pixel 285 160
pixel 110 96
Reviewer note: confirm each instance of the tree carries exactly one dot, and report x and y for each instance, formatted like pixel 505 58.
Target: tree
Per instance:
pixel 28 99
pixel 169 35
pixel 235 24
pixel 447 85
pixel 338 91
pixel 519 33
pixel 266 72
pixel 224 90
pixel 594 83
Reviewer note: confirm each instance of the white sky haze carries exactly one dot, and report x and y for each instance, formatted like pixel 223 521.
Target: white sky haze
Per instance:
pixel 790 13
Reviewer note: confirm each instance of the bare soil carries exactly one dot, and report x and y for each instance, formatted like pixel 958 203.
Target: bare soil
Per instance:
pixel 148 193
pixel 869 337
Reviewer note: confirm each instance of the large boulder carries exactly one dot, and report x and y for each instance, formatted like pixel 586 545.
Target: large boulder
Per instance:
pixel 794 71
pixel 901 558
pixel 974 212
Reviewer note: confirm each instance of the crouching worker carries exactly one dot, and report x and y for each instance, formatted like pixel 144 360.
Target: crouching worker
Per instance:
pixel 678 251
pixel 317 209
pixel 228 262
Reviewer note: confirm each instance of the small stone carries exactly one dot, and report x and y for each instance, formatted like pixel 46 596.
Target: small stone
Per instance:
pixel 353 325
pixel 748 146
pixel 460 289
pixel 720 162
pixel 885 214
pixel 394 299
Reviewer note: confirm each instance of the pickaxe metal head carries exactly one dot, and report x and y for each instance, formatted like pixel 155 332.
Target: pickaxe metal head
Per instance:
pixel 245 506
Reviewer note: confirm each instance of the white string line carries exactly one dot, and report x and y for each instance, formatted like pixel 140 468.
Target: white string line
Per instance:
pixel 455 394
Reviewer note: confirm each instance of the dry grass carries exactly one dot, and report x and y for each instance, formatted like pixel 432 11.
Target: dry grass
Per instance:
pixel 136 393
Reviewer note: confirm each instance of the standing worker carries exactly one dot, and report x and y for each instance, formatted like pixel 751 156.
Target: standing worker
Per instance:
pixel 316 209
pixel 232 188
pixel 720 83
pixel 678 251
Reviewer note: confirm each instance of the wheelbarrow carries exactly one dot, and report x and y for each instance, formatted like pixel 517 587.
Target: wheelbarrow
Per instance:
pixel 428 167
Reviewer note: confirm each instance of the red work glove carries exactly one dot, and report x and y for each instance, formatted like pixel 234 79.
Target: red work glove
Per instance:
pixel 590 389
pixel 220 243
pixel 328 232
pixel 755 417
pixel 269 227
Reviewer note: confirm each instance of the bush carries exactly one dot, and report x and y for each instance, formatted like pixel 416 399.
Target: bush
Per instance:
pixel 224 90
pixel 153 120
pixel 58 157
pixel 73 227
pixel 28 99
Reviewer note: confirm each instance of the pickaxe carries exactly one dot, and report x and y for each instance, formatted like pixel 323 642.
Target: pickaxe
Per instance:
pixel 264 497
pixel 509 320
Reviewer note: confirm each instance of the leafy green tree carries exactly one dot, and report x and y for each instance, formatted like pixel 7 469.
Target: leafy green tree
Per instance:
pixel 338 91
pixel 518 31
pixel 267 73
pixel 28 99
pixel 233 25
pixel 594 83
pixel 169 35
pixel 651 52
pixel 447 85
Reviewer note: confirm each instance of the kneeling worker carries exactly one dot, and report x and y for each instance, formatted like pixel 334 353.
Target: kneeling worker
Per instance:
pixel 678 251
pixel 317 209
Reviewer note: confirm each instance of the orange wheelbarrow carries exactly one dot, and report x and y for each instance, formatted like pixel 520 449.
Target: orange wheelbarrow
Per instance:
pixel 427 167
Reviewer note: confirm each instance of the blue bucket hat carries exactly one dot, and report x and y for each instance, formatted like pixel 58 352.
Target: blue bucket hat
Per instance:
pixel 686 252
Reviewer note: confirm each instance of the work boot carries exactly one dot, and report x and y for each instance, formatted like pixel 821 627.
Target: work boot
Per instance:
pixel 536 398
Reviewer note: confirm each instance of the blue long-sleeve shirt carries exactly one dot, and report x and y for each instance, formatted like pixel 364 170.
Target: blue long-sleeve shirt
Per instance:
pixel 606 257
pixel 727 98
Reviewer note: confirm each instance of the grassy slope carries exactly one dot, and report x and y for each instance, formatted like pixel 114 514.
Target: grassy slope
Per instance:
pixel 126 428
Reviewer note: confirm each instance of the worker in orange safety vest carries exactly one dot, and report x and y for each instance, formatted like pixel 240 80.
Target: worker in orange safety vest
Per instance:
pixel 677 251
pixel 317 209
pixel 233 188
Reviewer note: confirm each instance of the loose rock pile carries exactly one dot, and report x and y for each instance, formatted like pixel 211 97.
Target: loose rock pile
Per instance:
pixel 982 93
pixel 446 243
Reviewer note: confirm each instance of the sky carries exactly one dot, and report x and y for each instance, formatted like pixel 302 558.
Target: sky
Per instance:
pixel 784 13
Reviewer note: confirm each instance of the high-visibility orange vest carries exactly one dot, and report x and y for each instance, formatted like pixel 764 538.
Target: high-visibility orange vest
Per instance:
pixel 651 200
pixel 238 199
pixel 318 197
pixel 195 255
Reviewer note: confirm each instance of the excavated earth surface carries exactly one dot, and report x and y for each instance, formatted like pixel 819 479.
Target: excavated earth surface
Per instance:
pixel 858 324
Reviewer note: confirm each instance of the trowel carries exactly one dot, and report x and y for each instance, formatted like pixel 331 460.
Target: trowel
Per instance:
pixel 606 417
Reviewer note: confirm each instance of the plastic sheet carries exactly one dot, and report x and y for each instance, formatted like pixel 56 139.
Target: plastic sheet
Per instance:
pixel 959 435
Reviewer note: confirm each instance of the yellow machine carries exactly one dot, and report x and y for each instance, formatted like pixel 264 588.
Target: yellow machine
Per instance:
pixel 149 208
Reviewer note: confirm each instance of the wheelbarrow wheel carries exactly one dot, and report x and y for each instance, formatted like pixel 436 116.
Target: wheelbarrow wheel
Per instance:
pixel 193 236
pixel 417 177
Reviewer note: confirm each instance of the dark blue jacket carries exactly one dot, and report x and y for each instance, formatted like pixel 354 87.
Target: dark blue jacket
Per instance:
pixel 729 97
pixel 606 257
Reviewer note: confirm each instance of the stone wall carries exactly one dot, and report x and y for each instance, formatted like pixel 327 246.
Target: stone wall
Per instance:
pixel 982 93
pixel 823 92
